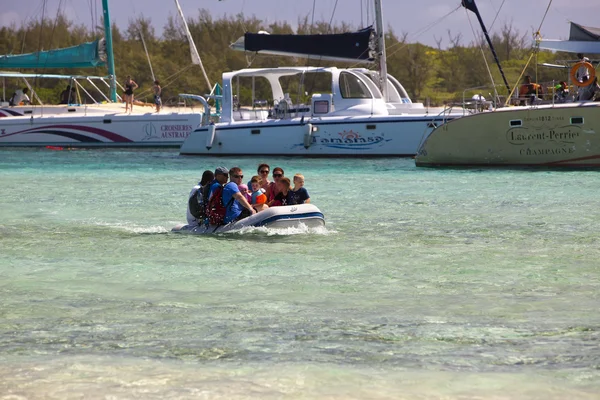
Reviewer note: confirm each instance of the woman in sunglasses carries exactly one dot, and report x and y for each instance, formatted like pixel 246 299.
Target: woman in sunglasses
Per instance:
pixel 263 171
pixel 274 189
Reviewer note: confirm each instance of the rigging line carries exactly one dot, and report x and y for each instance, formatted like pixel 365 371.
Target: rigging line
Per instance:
pixel 361 13
pixel 497 13
pixel 92 13
pixel 147 54
pixel 170 79
pixel 546 13
pixel 518 80
pixel 242 13
pixel 55 23
pixel 42 27
pixel 332 15
pixel 312 18
pixel 420 32
pixel 487 67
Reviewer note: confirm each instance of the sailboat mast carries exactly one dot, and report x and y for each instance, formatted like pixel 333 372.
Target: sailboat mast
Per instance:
pixel 382 61
pixel 471 6
pixel 110 59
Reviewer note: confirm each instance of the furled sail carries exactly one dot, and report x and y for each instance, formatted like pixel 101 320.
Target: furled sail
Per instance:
pixel 350 46
pixel 193 50
pixel 86 55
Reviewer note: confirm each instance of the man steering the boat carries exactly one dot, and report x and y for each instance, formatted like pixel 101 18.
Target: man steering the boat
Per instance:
pixel 240 208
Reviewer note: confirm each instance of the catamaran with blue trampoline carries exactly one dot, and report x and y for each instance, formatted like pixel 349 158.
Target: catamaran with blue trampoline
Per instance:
pixel 86 121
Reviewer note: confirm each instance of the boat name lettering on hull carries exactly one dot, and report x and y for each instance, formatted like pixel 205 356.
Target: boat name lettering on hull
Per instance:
pixel 175 131
pixel 359 140
pixel 349 139
pixel 522 136
pixel 542 152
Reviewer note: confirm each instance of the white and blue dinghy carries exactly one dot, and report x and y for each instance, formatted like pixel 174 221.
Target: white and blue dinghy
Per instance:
pixel 281 217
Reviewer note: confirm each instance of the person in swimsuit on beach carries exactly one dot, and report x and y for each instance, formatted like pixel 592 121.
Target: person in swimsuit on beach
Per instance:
pixel 130 86
pixel 157 92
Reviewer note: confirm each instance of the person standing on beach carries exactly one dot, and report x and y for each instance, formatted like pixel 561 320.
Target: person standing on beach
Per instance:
pixel 130 86
pixel 157 92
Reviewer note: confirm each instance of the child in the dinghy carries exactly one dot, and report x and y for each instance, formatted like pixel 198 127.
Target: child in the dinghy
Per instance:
pixel 258 199
pixel 284 196
pixel 299 192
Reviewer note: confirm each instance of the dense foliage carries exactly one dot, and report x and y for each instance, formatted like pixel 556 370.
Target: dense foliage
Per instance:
pixel 428 73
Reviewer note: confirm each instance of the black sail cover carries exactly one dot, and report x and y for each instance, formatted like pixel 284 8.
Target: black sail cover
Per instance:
pixel 350 45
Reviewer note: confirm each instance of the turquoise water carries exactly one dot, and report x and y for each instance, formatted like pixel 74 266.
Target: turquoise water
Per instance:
pixel 454 284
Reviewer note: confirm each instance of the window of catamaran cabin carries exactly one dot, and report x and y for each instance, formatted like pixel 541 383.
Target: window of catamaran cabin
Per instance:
pixel 300 86
pixel 352 87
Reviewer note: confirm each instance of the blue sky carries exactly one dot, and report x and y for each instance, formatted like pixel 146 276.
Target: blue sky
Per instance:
pixel 404 16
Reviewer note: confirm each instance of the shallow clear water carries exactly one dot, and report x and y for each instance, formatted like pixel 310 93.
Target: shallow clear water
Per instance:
pixel 425 283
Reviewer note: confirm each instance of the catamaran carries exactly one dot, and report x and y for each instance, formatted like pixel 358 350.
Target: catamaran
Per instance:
pixel 317 111
pixel 97 124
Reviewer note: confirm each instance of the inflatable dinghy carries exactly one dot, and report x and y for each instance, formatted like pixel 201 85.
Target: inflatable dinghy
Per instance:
pixel 275 217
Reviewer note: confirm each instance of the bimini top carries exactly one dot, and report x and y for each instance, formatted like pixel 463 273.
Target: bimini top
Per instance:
pixel 582 39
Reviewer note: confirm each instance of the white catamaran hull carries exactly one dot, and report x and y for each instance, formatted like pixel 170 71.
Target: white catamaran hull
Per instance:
pixel 99 130
pixel 335 136
pixel 273 218
pixel 565 135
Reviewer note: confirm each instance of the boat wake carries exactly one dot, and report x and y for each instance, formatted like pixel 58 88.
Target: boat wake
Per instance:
pixel 301 229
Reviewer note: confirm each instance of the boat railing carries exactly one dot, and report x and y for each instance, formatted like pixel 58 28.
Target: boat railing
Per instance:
pixel 553 92
pixel 474 100
pixel 202 100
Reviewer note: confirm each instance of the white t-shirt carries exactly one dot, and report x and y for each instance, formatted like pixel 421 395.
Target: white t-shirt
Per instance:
pixel 583 74
pixel 19 97
pixel 190 218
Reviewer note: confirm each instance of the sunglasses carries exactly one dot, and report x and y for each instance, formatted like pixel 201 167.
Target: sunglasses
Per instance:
pixel 237 176
pixel 264 171
pixel 277 175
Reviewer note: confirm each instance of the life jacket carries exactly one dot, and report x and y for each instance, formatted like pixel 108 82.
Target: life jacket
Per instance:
pixel 196 204
pixel 259 197
pixel 215 210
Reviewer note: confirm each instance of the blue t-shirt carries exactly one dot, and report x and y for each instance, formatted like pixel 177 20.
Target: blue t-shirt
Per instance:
pixel 235 209
pixel 300 196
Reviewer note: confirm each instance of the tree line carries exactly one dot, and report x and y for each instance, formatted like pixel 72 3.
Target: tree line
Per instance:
pixel 428 73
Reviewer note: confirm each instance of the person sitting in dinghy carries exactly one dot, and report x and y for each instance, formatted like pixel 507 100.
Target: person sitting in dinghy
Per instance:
pixel 263 171
pixel 244 191
pixel 285 196
pixel 239 208
pixel 299 192
pixel 273 186
pixel 195 209
pixel 258 199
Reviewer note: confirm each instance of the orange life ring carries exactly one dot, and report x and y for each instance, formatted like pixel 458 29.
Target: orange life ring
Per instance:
pixel 576 67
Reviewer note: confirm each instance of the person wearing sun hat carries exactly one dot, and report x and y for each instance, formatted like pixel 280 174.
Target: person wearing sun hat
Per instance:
pixel 244 191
